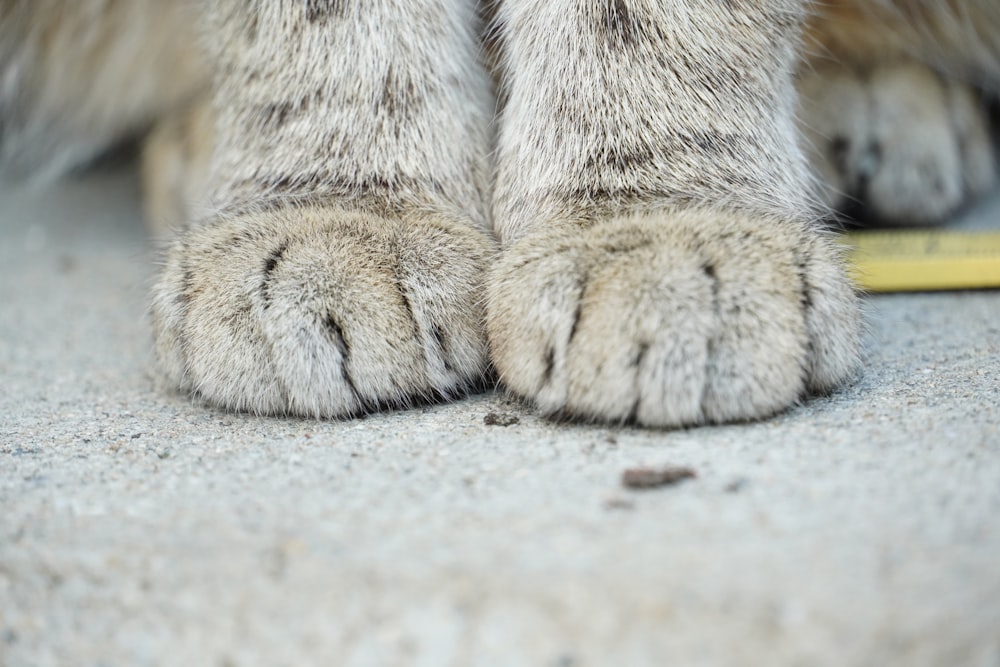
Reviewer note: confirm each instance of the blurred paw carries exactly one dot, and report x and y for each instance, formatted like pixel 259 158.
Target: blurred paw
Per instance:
pixel 897 144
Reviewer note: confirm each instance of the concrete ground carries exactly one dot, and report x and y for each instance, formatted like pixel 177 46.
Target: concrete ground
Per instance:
pixel 139 529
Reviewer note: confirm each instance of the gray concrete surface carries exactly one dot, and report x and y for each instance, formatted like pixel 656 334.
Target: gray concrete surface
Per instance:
pixel 139 529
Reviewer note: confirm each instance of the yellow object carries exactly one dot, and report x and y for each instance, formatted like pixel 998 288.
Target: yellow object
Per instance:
pixel 907 261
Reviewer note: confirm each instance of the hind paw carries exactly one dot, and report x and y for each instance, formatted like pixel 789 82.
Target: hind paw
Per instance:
pixel 897 144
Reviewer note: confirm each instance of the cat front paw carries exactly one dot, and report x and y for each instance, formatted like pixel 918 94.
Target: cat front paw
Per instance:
pixel 321 312
pixel 672 318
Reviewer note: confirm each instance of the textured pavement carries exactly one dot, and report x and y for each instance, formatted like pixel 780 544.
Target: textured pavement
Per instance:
pixel 137 528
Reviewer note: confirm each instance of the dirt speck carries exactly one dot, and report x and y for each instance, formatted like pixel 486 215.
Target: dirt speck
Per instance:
pixel 736 485
pixel 651 478
pixel 67 264
pixel 618 503
pixel 493 418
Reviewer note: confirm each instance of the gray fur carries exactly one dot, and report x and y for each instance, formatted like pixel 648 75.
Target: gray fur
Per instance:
pixel 339 266
pixel 636 236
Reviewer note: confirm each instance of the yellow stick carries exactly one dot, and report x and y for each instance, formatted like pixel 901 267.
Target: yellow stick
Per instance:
pixel 905 261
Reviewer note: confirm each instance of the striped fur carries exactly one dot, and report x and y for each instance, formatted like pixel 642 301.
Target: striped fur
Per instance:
pixel 636 236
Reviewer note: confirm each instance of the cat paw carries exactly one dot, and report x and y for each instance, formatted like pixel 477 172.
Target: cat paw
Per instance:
pixel 322 312
pixel 672 318
pixel 896 144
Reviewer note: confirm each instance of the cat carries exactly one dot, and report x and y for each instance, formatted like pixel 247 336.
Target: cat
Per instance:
pixel 616 206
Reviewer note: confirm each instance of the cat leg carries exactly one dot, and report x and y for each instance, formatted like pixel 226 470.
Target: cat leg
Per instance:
pixel 341 266
pixel 661 260
pixel 176 167
pixel 76 76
